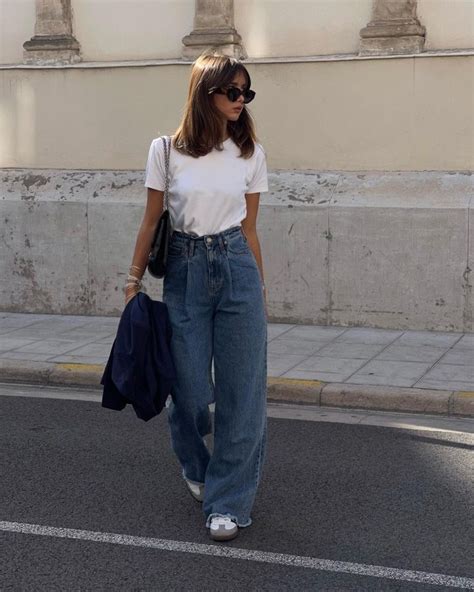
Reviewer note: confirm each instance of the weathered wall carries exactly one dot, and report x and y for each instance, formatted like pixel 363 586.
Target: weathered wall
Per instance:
pixel 388 250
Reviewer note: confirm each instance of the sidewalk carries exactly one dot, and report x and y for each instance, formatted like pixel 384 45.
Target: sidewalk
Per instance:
pixel 354 367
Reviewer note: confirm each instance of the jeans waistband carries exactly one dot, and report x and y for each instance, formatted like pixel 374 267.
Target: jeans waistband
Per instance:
pixel 191 242
pixel 227 232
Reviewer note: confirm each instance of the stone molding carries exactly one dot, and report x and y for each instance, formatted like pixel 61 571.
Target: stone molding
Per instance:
pixel 393 29
pixel 213 28
pixel 53 41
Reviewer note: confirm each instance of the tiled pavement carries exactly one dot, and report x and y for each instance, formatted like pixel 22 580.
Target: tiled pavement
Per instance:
pixel 351 355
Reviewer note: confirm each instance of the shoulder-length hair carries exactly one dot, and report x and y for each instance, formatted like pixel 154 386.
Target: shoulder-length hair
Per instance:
pixel 200 130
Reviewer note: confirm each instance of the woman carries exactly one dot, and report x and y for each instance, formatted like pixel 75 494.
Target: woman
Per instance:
pixel 214 289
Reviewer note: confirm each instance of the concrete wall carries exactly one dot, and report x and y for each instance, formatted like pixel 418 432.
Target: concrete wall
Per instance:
pixel 388 250
pixel 406 113
pixel 269 28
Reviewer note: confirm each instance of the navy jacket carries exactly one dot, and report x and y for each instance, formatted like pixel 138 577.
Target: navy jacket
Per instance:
pixel 140 368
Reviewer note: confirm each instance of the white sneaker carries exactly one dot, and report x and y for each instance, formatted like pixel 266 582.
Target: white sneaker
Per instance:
pixel 197 491
pixel 223 528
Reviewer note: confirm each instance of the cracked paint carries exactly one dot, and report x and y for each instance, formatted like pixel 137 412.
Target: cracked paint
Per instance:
pixel 29 180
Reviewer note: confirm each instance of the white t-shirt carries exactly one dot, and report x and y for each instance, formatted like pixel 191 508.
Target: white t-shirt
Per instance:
pixel 207 194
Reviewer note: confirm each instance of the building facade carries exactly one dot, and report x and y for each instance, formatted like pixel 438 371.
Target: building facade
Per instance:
pixel 365 109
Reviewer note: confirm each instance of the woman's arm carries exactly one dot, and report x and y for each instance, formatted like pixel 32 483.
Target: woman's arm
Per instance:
pixel 153 210
pixel 249 226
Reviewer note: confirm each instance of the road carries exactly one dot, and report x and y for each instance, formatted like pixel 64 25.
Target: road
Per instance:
pixel 92 499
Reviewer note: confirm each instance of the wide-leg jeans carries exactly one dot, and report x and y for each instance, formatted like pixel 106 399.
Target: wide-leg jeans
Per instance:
pixel 213 292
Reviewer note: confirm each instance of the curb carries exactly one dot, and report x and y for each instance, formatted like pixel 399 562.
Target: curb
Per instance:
pixel 280 390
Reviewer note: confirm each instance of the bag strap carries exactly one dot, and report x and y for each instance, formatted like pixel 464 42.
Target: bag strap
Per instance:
pixel 167 147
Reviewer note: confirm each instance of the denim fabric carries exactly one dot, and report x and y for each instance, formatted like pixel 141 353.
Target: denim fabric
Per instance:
pixel 212 289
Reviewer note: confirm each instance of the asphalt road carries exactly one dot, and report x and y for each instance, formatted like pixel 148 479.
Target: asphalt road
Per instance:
pixel 341 507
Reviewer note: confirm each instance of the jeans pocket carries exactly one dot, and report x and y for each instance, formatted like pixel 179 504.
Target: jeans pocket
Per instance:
pixel 238 245
pixel 175 250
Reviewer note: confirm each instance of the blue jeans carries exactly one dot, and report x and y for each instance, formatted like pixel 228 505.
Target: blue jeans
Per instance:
pixel 212 289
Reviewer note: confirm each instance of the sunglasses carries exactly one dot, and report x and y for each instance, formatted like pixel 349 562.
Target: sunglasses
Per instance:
pixel 233 93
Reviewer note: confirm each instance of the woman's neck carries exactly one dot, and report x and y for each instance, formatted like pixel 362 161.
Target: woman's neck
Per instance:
pixel 225 133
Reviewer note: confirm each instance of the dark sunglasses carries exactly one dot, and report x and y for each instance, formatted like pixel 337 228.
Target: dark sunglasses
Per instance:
pixel 233 93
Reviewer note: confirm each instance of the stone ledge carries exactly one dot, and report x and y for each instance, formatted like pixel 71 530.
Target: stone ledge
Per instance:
pixel 263 60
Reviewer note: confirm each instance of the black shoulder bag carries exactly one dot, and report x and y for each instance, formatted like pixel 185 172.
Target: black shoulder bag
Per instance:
pixel 159 246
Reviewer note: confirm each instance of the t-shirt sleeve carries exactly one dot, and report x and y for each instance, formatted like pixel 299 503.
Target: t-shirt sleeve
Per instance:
pixel 155 166
pixel 259 181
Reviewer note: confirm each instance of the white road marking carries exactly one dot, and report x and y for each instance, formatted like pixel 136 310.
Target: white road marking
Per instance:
pixel 406 421
pixel 360 569
pixel 401 420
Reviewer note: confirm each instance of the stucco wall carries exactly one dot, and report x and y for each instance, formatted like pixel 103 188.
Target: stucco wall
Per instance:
pixel 272 28
pixel 412 113
pixel 133 29
pixel 449 23
pixel 17 25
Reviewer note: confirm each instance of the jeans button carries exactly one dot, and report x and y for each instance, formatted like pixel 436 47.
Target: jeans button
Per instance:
pixel 208 240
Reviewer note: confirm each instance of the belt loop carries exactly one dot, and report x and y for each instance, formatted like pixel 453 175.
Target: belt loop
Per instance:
pixel 221 243
pixel 191 244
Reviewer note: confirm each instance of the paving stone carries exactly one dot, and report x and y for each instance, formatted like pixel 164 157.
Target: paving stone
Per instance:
pixel 350 350
pixel 411 353
pixel 282 363
pixel 274 329
pixel 313 333
pixel 8 324
pixel 8 343
pixel 82 333
pixel 49 346
pixel 318 363
pixel 446 372
pixel 32 357
pixel 463 357
pixel 390 373
pixel 368 336
pixel 294 346
pixel 466 342
pixel 433 338
pixel 90 350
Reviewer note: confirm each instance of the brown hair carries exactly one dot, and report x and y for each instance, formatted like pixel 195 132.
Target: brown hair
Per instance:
pixel 200 129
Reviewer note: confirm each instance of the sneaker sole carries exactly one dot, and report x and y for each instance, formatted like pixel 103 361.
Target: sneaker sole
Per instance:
pixel 224 537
